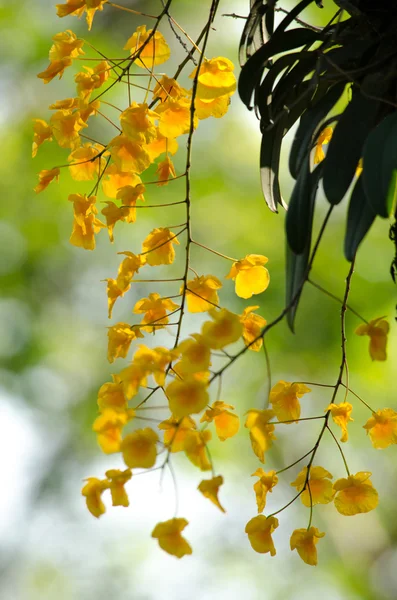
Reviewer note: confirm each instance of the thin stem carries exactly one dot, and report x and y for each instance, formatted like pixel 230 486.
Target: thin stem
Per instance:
pixel 294 463
pixel 214 251
pixel 296 420
pixel 340 449
pixel 359 398
pixel 269 373
pixel 334 297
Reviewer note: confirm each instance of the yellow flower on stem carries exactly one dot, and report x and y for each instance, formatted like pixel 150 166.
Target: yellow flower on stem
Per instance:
pixel 155 52
pixel 128 195
pixel 154 361
pixel 161 145
pixel 252 326
pixel 284 398
pixel 318 489
pixel 324 138
pixel 304 541
pixel 66 45
pixel 41 132
pixel 128 155
pixel 250 275
pixel 158 247
pixel 355 494
pixel 114 179
pixel 261 432
pixel 210 489
pixel 113 292
pixel 92 491
pixel 377 330
pixel 88 166
pixel 108 426
pixel 340 414
pixel 265 484
pixel 168 534
pixel 224 329
pixel 117 480
pixel 154 308
pixel 175 432
pixel 91 79
pixel 201 293
pixel 66 104
pixel 85 223
pixel 167 87
pixel 215 78
pixel 128 267
pixel 120 337
pixel 111 395
pixel 195 449
pixel 195 355
pixel 139 448
pixel 165 171
pixel 113 214
pixel 137 123
pixel 45 178
pixel 187 396
pixel 78 7
pixel 216 107
pixel 382 428
pixel 175 117
pixel 65 128
pixel 57 67
pixel 227 423
pixel 259 530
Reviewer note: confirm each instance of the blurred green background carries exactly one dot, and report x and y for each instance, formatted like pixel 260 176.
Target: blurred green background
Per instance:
pixel 53 358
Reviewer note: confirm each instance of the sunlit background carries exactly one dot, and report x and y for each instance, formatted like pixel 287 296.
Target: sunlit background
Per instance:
pixel 53 323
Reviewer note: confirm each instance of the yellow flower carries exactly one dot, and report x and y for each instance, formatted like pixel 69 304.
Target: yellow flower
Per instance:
pixel 45 178
pixel 113 214
pixel 227 423
pixel 54 68
pixel 128 267
pixel 66 45
pixel 155 310
pixel 165 171
pixel 175 117
pixel 139 448
pixel 252 326
pixel 215 78
pixel 318 484
pixel 65 128
pixel 155 52
pixel 111 395
pixel 108 427
pixel 196 355
pixel 113 292
pixel 154 361
pixel 168 534
pixel 92 491
pixel 175 432
pixel 117 479
pixel 304 541
pixel 91 79
pixel 324 138
pixel 137 123
pixel 66 104
pixel 284 397
pixel 377 330
pixel 133 377
pixel 120 337
pixel 217 107
pixel 223 330
pixel 250 275
pixel 210 489
pixel 85 224
pixel 201 293
pixel 167 87
pixel 355 494
pixel 195 449
pixel 341 416
pixel 187 396
pixel 382 428
pixel 41 132
pixel 128 155
pixel 115 179
pixel 77 7
pixel 261 433
pixel 128 195
pixel 259 530
pixel 265 484
pixel 158 246
pixel 88 167
pixel 161 145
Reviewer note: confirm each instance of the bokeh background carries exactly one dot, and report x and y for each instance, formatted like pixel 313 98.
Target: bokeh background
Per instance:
pixel 53 359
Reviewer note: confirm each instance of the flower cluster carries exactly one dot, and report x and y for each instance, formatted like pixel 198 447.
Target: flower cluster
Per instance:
pixel 150 131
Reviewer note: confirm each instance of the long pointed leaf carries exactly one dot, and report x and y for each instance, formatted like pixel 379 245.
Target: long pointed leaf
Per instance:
pixel 360 217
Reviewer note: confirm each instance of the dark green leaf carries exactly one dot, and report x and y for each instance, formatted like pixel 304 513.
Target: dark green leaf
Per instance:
pixel 346 146
pixel 252 37
pixel 251 73
pixel 308 124
pixel 360 217
pixel 269 164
